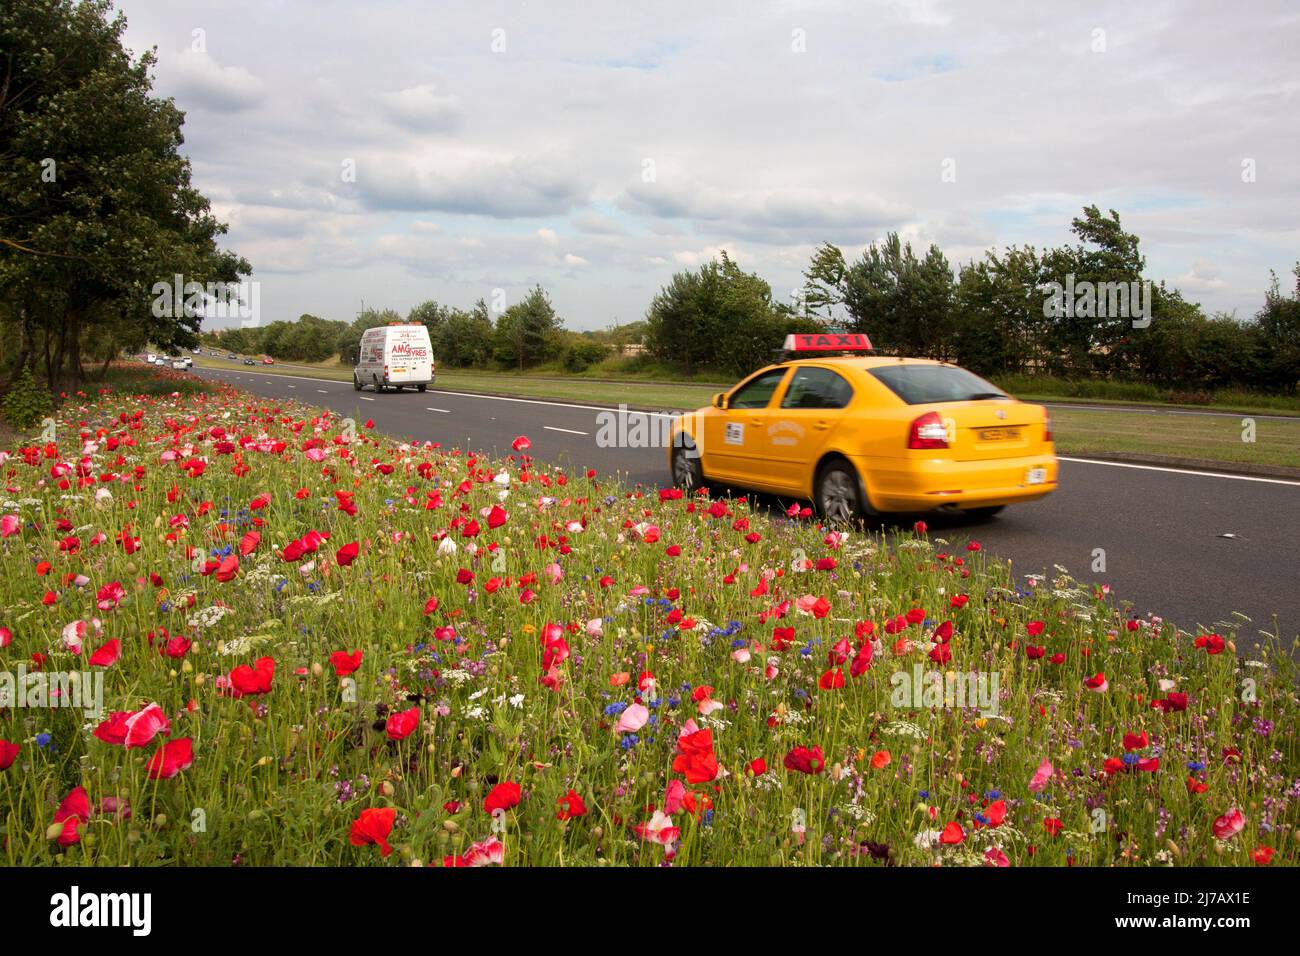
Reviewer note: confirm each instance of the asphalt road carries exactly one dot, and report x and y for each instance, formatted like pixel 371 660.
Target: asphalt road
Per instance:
pixel 1189 546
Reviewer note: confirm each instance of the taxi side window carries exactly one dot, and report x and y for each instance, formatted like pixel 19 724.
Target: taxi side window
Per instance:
pixel 817 388
pixel 758 391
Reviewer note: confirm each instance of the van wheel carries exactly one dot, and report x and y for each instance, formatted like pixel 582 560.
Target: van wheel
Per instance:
pixel 422 387
pixel 356 382
pixel 378 388
pixel 839 494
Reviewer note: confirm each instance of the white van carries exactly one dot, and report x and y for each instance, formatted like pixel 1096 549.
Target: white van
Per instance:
pixel 394 355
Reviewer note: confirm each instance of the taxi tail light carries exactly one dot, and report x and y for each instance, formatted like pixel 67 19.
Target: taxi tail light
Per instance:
pixel 1047 426
pixel 928 432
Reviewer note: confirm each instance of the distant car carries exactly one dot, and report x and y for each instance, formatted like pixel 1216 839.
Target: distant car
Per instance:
pixel 232 356
pixel 268 361
pixel 160 361
pixel 180 365
pixel 151 358
pixel 249 362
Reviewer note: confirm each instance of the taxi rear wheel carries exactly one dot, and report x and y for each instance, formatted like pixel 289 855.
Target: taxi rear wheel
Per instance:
pixel 839 496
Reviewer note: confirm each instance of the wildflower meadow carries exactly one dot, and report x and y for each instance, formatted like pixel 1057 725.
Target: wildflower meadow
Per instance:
pixel 241 632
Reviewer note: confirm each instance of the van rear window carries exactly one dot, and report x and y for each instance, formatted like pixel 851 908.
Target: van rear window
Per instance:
pixel 926 384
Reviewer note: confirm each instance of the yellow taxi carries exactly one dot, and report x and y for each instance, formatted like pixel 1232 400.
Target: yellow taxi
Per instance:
pixel 862 434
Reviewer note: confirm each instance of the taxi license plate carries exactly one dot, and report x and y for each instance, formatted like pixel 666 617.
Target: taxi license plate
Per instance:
pixel 1036 476
pixel 999 434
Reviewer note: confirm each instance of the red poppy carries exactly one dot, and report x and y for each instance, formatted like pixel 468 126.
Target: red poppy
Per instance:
pixel 832 679
pixel 8 754
pixel 403 723
pixel 695 758
pixel 228 568
pixel 805 760
pixel 73 811
pixel 133 729
pixel 345 663
pixel 1052 825
pixel 373 826
pixel 570 806
pixel 107 654
pixel 1136 741
pixel 171 758
pixel 952 834
pixel 502 797
pixel 345 555
pixel 245 680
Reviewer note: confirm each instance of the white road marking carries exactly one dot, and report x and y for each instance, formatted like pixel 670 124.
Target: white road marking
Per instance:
pixel 1084 461
pixel 322 391
pixel 445 411
pixel 535 401
pixel 293 386
pixel 365 398
pixel 567 431
pixel 1181 471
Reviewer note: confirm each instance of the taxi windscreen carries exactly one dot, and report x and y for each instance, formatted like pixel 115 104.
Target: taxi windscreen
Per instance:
pixel 926 384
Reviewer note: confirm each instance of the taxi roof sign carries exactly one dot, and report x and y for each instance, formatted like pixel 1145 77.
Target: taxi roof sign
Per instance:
pixel 827 342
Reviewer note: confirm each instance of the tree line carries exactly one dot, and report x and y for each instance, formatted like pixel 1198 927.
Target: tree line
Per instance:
pixel 1021 311
pixel 524 335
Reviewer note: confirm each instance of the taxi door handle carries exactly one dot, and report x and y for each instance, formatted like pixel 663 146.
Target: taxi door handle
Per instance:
pixel 755 422
pixel 822 425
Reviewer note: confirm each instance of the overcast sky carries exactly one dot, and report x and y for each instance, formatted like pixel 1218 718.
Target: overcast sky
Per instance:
pixel 595 148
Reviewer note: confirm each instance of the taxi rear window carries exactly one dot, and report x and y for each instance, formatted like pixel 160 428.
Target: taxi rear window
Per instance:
pixel 926 384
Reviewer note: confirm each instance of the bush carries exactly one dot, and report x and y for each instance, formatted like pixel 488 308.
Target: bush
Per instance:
pixel 27 401
pixel 581 354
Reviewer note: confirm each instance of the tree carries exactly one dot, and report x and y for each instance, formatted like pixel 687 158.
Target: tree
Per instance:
pixel 348 340
pixel 903 303
pixel 1279 328
pixel 96 201
pixel 465 339
pixel 527 332
pixel 998 312
pixel 719 317
pixel 1083 344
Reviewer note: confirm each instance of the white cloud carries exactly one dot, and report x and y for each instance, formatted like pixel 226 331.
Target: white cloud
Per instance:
pixel 423 107
pixel 464 156
pixel 199 80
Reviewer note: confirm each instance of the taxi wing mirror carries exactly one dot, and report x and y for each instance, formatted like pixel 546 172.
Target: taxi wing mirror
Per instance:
pixel 720 400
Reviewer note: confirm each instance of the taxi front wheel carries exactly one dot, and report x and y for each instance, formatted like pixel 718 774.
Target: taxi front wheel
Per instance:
pixel 687 473
pixel 839 494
